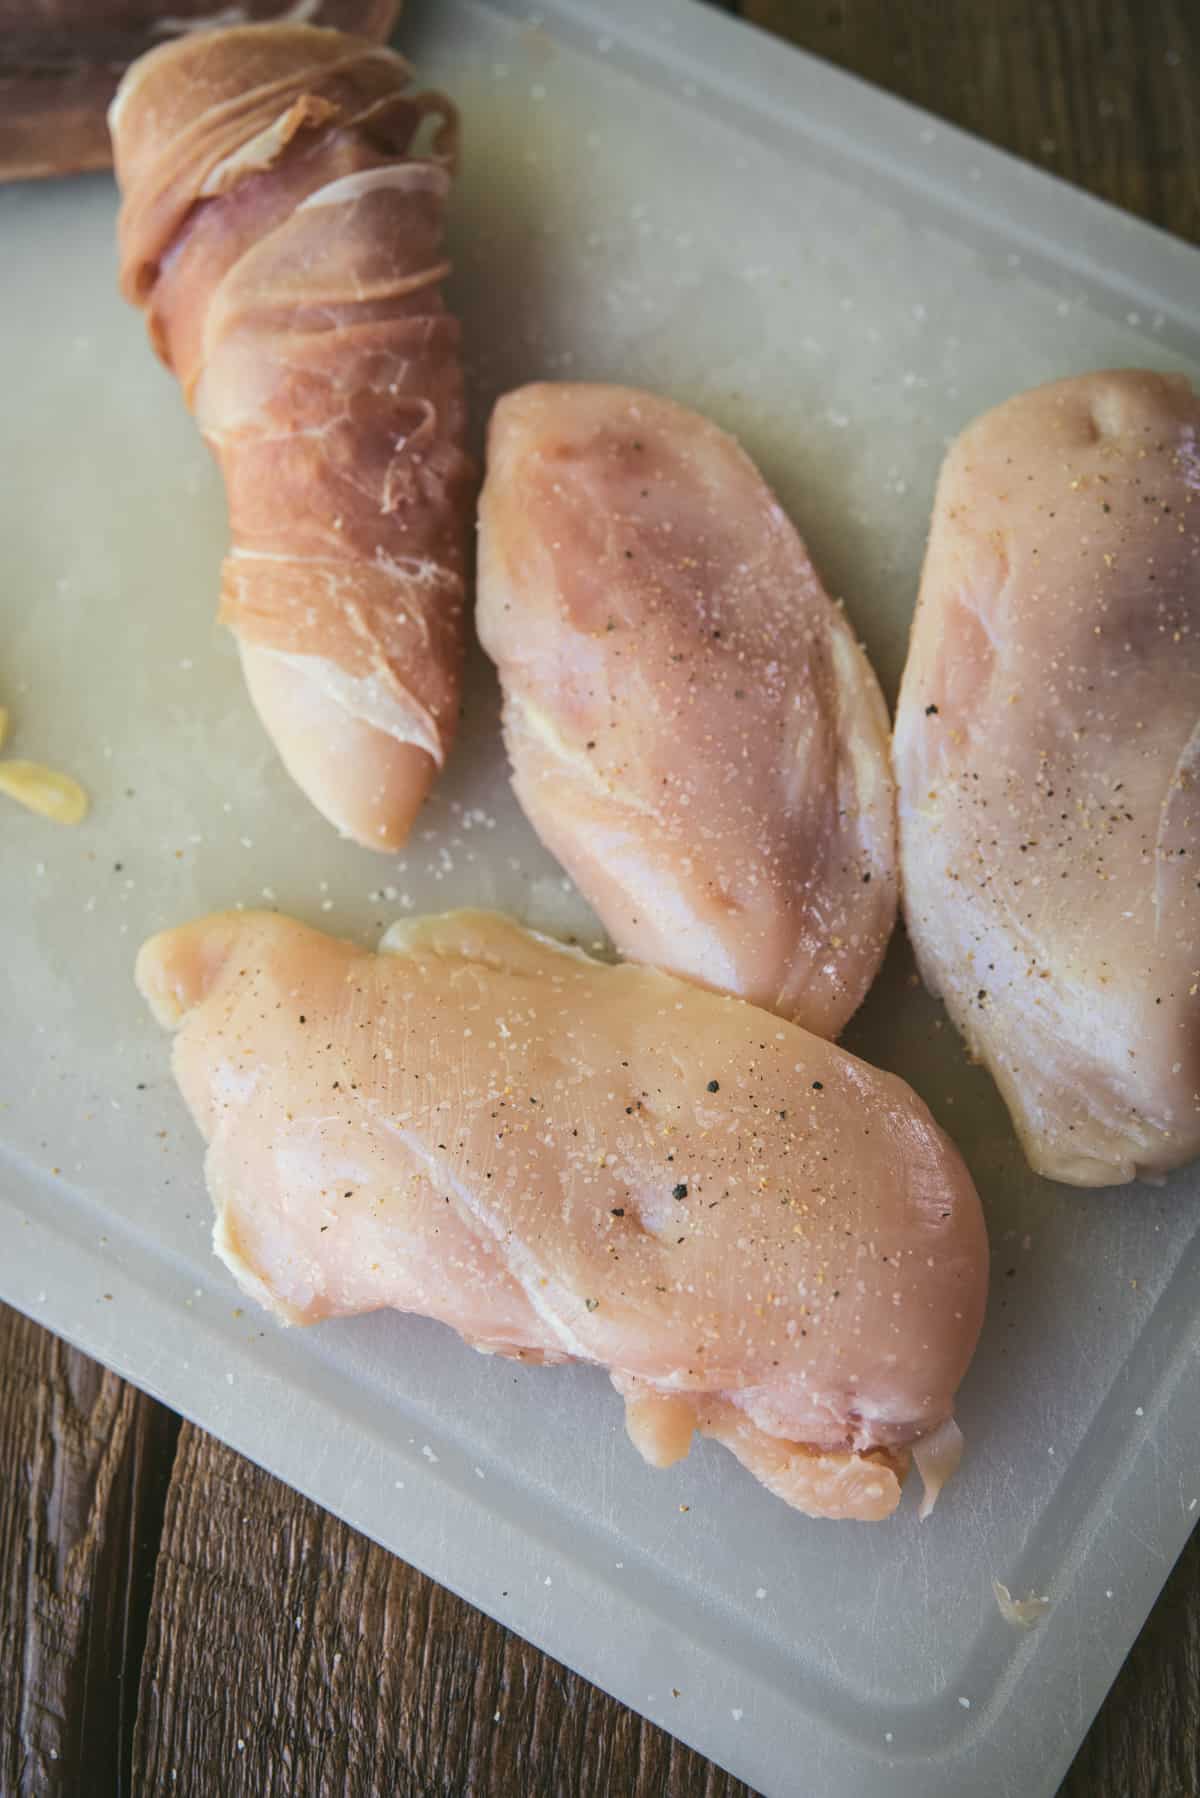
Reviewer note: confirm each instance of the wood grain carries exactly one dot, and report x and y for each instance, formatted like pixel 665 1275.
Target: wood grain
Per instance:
pixel 84 1466
pixel 1103 92
pixel 286 1654
pixel 61 60
pixel 1145 1742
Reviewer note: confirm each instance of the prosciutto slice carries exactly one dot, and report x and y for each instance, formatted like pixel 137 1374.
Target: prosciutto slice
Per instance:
pixel 283 239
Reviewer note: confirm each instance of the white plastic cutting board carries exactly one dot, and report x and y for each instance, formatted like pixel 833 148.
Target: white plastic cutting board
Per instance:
pixel 651 194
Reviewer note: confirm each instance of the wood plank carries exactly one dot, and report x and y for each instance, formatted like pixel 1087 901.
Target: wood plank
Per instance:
pixel 61 61
pixel 1103 92
pixel 86 1463
pixel 287 1654
pixel 1145 1742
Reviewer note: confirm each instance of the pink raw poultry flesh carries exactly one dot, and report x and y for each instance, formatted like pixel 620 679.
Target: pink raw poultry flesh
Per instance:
pixel 761 1237
pixel 1047 753
pixel 693 729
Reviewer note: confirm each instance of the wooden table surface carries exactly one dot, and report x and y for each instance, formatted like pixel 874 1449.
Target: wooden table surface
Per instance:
pixel 174 1620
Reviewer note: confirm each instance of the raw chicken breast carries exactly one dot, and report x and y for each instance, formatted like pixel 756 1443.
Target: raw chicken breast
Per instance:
pixel 693 729
pixel 281 228
pixel 1047 748
pixel 761 1237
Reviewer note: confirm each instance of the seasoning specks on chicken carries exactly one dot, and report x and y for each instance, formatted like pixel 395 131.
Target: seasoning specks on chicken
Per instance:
pixel 761 1237
pixel 693 729
pixel 1048 752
